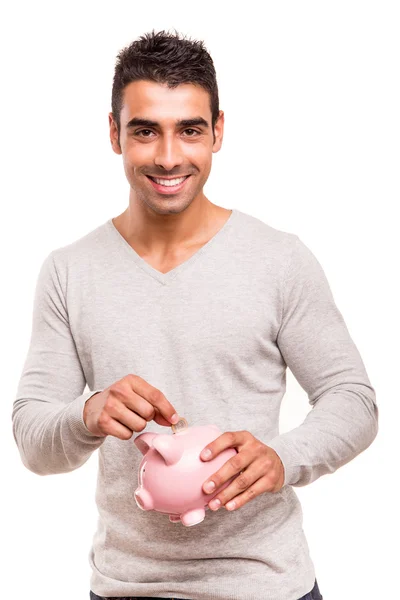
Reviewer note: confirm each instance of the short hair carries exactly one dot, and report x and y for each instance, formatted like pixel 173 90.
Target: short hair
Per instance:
pixel 164 58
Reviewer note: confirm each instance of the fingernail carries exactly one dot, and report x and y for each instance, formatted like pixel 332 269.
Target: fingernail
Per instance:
pixel 209 486
pixel 215 504
pixel 206 453
pixel 174 419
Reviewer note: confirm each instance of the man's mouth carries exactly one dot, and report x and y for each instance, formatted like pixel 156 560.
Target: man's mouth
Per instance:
pixel 168 186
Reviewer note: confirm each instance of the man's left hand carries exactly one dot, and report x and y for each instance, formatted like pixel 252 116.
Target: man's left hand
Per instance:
pixel 260 468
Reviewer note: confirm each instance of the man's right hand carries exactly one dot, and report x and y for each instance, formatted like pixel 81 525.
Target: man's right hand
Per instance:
pixel 126 406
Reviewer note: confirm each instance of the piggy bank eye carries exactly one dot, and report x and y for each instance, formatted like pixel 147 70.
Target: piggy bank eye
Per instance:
pixel 142 470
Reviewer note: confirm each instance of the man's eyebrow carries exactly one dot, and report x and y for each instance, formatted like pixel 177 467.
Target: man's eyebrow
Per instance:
pixel 136 121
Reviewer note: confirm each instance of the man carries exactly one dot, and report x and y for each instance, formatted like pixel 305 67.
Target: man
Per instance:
pixel 181 306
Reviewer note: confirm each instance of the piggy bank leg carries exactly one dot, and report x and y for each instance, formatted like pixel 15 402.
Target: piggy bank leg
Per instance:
pixel 174 518
pixel 193 517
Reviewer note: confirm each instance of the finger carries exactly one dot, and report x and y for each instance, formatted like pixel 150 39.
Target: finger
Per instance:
pixel 258 488
pixel 110 426
pixel 158 418
pixel 137 404
pixel 246 481
pixel 118 411
pixel 241 483
pixel 228 470
pixel 154 396
pixel 123 391
pixel 229 439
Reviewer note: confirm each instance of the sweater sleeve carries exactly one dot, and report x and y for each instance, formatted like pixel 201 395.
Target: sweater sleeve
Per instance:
pixel 47 415
pixel 316 345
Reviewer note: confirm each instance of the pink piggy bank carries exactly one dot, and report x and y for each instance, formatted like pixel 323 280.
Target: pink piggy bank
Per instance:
pixel 172 474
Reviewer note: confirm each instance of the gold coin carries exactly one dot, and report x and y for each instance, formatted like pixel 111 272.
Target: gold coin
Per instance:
pixel 181 425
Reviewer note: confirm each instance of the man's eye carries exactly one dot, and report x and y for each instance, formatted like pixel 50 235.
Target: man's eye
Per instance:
pixel 193 130
pixel 141 131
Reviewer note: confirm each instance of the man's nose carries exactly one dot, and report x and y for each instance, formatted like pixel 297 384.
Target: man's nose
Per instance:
pixel 169 154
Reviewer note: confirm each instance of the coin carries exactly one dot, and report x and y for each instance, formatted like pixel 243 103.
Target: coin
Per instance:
pixel 181 425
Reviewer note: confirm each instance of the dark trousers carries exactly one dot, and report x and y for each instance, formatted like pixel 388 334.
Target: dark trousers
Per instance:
pixel 315 594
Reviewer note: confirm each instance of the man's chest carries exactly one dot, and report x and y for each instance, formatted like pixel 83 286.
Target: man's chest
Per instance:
pixel 199 333
pixel 230 313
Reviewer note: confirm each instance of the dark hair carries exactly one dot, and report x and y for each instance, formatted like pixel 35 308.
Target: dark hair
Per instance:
pixel 164 58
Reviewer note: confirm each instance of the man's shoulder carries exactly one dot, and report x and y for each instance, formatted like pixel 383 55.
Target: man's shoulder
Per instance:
pixel 90 247
pixel 259 231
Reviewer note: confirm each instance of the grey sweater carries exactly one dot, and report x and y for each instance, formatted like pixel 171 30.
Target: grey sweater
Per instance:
pixel 215 335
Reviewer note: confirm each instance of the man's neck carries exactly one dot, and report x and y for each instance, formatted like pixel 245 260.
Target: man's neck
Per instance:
pixel 168 235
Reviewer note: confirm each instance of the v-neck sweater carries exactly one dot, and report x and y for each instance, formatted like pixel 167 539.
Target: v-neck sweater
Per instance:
pixel 215 335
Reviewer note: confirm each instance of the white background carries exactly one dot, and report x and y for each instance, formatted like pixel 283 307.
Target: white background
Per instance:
pixel 311 97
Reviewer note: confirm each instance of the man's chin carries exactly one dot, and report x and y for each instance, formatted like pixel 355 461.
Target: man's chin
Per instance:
pixel 167 205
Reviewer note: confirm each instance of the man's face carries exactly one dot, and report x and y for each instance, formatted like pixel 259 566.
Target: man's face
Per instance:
pixel 166 133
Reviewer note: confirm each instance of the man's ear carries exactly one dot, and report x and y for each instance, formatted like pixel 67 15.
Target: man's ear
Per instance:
pixel 218 131
pixel 114 134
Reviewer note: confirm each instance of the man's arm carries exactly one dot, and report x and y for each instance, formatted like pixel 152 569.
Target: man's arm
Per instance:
pixel 47 414
pixel 317 347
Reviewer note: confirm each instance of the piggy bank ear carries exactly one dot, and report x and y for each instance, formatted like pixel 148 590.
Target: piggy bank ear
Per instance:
pixel 144 441
pixel 170 450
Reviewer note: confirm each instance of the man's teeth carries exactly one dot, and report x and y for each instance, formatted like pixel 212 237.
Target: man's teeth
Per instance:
pixel 168 182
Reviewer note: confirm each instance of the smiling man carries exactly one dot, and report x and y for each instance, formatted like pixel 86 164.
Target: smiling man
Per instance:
pixel 179 306
pixel 167 137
